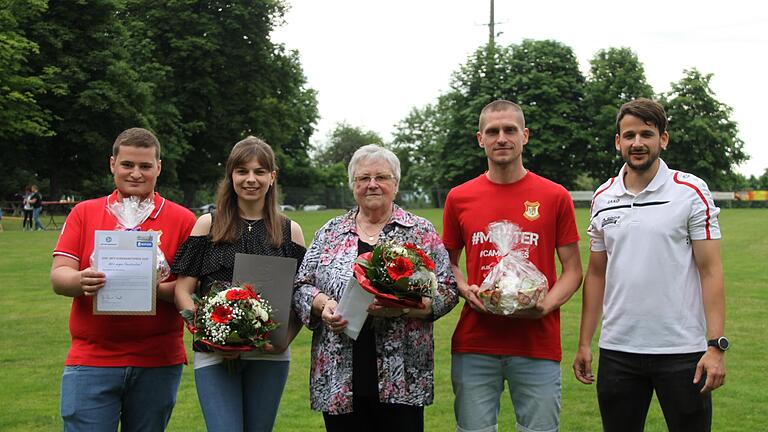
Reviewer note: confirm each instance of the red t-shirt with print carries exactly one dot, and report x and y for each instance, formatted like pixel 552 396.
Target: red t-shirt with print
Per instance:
pixel 544 212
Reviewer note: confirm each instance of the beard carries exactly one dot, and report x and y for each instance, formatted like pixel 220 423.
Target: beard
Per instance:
pixel 642 166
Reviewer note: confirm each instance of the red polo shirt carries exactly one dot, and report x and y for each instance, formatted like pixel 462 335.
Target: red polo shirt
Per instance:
pixel 116 340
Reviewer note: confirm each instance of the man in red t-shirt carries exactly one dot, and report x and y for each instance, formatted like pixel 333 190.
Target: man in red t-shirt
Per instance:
pixel 120 368
pixel 522 349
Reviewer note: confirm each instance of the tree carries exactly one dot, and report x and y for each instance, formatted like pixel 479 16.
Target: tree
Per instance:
pixel 703 140
pixel 343 141
pixel 542 76
pixel 416 140
pixel 616 76
pixel 227 80
pixel 547 82
pixel 94 93
pixel 20 114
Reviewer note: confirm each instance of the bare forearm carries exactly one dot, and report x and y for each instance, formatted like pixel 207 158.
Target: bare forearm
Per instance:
pixel 563 289
pixel 713 297
pixel 591 308
pixel 66 282
pixel 165 291
pixel 182 293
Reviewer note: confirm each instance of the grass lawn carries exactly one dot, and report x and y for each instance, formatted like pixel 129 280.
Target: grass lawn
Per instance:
pixel 35 341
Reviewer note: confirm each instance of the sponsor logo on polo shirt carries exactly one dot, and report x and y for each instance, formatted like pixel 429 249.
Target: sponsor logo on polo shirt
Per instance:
pixel 609 220
pixel 531 210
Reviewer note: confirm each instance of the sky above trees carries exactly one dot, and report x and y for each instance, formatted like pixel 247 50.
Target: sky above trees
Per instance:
pixel 372 62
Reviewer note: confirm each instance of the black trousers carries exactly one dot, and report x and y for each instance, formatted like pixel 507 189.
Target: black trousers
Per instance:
pixel 370 415
pixel 625 386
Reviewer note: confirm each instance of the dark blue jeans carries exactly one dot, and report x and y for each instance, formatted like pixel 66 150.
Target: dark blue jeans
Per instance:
pixel 625 386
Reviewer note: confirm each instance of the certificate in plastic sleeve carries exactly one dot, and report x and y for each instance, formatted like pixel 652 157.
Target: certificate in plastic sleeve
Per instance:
pixel 129 261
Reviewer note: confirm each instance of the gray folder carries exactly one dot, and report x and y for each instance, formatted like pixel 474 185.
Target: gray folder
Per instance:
pixel 273 278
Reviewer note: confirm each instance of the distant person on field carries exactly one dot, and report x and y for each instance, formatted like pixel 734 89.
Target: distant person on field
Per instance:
pixel 36 199
pixel 656 278
pixel 26 210
pixel 523 349
pixel 120 368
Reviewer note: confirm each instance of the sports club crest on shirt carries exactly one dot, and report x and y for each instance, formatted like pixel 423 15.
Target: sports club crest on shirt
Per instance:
pixel 531 210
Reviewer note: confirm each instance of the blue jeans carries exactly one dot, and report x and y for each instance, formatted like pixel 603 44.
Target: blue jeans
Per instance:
pixel 625 385
pixel 98 398
pixel 36 215
pixel 245 399
pixel 478 381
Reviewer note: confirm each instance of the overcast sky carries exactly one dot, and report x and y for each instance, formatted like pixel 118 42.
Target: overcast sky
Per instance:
pixel 372 61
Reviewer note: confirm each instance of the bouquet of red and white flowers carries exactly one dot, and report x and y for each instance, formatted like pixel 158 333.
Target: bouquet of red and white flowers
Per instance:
pixel 231 317
pixel 514 283
pixel 398 275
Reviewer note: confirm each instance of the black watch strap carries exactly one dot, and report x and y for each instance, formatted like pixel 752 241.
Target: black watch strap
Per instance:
pixel 722 343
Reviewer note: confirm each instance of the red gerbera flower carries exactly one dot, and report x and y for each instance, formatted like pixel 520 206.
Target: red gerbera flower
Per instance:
pixel 428 263
pixel 222 314
pixel 239 294
pixel 400 267
pixel 250 289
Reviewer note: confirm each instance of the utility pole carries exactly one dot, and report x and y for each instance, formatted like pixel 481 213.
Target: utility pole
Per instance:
pixel 491 31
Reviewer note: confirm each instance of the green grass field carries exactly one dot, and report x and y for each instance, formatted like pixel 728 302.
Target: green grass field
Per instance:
pixel 35 339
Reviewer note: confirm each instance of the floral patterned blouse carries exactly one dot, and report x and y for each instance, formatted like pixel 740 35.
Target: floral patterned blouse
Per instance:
pixel 404 347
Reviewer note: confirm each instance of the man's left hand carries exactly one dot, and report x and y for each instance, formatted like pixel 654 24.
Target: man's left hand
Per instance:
pixel 537 312
pixel 713 363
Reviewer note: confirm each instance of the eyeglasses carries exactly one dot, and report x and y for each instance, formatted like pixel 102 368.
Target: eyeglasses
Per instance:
pixel 379 178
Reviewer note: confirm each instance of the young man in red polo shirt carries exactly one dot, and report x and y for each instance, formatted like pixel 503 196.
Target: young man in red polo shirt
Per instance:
pixel 522 349
pixel 120 369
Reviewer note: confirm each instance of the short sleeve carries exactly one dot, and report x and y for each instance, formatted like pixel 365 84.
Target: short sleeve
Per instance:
pixel 452 238
pixel 596 239
pixel 71 236
pixel 567 231
pixel 190 259
pixel 703 223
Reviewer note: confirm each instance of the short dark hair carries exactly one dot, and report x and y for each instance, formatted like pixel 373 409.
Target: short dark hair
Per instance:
pixel 647 110
pixel 499 105
pixel 136 137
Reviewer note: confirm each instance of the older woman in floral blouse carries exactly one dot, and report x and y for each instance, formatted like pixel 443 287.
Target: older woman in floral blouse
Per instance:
pixel 384 378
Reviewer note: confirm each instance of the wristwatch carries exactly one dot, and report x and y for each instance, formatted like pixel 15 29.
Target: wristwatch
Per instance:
pixel 720 343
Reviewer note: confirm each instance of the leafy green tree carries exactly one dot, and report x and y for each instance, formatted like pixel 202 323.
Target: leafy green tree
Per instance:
pixel 343 141
pixel 547 82
pixel 94 92
pixel 703 139
pixel 226 79
pixel 20 114
pixel 616 76
pixel 416 141
pixel 542 76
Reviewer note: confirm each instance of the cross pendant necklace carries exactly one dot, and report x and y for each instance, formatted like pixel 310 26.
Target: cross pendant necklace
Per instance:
pixel 250 224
